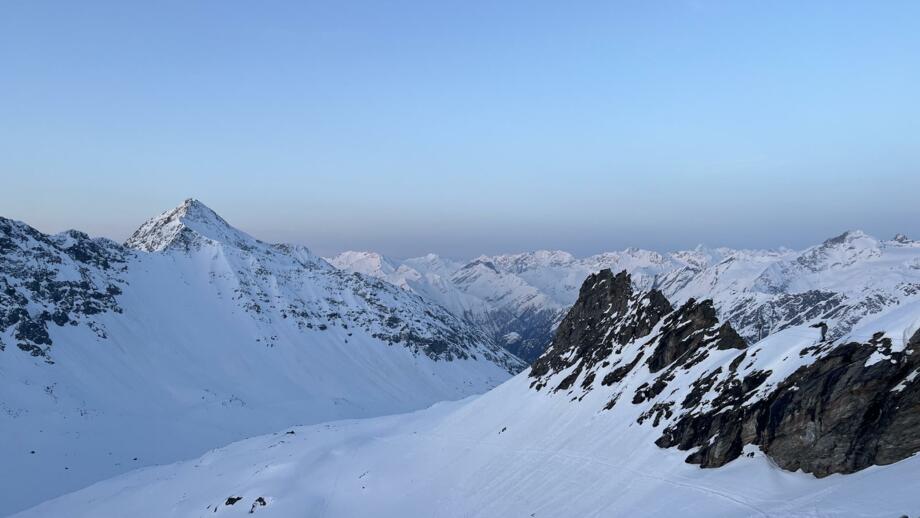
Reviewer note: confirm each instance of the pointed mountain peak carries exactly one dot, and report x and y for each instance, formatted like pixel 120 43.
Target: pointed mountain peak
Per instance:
pixel 185 227
pixel 559 256
pixel 433 264
pixel 368 263
pixel 611 287
pixel 524 261
pixel 193 208
pixel 848 237
pixel 429 259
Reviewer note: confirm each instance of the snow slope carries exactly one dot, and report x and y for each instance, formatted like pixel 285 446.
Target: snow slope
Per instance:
pixel 547 442
pixel 511 452
pixel 195 335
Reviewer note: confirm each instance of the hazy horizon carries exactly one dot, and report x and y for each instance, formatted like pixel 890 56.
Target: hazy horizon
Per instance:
pixel 331 252
pixel 467 129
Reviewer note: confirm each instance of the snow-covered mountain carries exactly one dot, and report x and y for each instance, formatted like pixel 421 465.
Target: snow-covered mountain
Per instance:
pixel 519 299
pixel 193 334
pixel 640 407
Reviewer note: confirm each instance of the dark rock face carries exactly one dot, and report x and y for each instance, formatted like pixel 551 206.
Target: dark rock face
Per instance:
pixel 69 275
pixel 607 315
pixel 847 407
pixel 836 415
pixel 681 338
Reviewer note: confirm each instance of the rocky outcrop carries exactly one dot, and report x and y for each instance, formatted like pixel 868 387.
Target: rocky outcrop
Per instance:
pixel 840 414
pixel 64 279
pixel 520 299
pixel 607 314
pixel 820 406
pixel 69 278
pixel 681 337
pixel 610 314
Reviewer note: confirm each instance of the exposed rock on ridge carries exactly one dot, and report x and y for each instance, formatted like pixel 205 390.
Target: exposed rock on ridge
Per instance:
pixel 68 278
pixel 185 227
pixel 520 299
pixel 64 279
pixel 832 407
pixel 836 415
pixel 607 314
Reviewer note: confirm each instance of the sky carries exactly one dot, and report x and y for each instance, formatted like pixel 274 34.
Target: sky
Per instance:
pixel 469 127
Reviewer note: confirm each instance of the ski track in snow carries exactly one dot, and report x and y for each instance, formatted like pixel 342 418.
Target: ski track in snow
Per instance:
pixel 551 453
pixel 510 452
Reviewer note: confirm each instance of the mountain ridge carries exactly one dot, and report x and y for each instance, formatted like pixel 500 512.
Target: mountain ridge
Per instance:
pixel 221 335
pixel 843 279
pixel 837 406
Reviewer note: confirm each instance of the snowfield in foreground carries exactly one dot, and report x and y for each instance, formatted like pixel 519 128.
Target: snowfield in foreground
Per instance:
pixel 511 452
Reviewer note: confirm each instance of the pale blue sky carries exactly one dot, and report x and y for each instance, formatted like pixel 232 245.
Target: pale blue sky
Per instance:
pixel 466 127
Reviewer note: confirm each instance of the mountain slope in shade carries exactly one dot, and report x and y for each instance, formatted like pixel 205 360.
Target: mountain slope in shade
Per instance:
pixel 520 298
pixel 615 419
pixel 196 330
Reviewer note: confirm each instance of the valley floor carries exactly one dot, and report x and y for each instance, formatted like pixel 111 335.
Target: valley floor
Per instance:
pixel 499 454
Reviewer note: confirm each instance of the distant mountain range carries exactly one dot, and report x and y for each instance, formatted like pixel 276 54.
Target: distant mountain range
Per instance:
pixel 519 299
